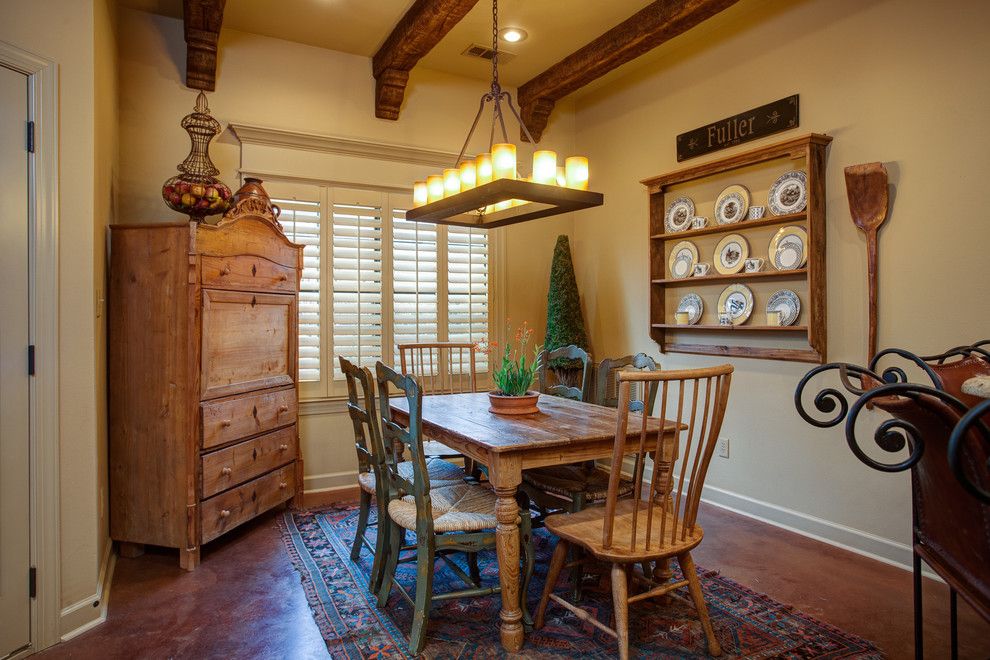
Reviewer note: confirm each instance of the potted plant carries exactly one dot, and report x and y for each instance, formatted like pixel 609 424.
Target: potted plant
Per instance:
pixel 514 376
pixel 565 324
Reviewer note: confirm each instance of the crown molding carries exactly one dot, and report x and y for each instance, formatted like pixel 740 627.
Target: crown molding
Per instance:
pixel 278 137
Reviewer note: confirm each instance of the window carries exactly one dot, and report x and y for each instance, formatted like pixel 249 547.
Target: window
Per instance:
pixel 372 279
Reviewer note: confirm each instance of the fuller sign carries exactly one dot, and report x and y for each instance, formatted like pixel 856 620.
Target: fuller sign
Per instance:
pixel 766 120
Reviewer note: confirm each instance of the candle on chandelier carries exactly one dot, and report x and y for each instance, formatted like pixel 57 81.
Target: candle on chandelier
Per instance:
pixel 419 194
pixel 469 175
pixel 561 177
pixel 576 172
pixel 434 188
pixel 545 167
pixel 484 173
pixel 504 161
pixel 451 182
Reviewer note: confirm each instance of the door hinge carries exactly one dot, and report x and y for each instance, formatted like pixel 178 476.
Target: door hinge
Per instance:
pixel 30 137
pixel 31 360
pixel 33 582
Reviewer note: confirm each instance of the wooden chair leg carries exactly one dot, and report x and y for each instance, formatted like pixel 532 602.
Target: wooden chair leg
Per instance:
pixel 577 504
pixel 694 585
pixel 620 603
pixel 424 594
pixel 919 620
pixel 362 526
pixel 528 560
pixel 381 551
pixel 473 570
pixel 395 536
pixel 553 572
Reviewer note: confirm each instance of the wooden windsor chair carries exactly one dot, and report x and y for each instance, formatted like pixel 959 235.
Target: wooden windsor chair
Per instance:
pixel 371 454
pixel 650 526
pixel 442 368
pixel 458 518
pixel 607 384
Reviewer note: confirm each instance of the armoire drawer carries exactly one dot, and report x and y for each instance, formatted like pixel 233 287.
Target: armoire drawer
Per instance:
pixel 226 511
pixel 246 272
pixel 225 468
pixel 232 419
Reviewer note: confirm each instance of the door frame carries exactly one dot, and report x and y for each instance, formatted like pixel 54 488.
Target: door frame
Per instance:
pixel 42 76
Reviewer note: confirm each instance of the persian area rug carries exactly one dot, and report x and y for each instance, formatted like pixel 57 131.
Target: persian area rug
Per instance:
pixel 747 624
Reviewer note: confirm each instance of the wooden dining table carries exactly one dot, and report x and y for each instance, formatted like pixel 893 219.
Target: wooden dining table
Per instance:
pixel 563 432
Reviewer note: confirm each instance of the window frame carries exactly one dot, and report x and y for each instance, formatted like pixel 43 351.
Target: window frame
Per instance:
pixel 327 192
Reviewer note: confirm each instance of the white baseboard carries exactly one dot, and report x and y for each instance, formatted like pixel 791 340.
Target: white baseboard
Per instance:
pixel 329 481
pixel 91 611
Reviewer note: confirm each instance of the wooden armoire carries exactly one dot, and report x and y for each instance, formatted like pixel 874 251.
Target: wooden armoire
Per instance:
pixel 203 376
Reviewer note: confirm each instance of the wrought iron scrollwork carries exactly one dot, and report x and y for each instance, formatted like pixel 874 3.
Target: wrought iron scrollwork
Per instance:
pixel 830 398
pixel 970 422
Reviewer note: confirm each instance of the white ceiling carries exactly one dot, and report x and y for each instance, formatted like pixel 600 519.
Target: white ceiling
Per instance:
pixel 556 28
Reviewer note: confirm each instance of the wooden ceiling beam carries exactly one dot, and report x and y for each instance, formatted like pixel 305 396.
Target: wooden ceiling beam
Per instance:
pixel 201 20
pixel 648 28
pixel 415 35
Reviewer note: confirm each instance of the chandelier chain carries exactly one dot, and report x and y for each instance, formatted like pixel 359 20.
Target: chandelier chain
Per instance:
pixel 495 85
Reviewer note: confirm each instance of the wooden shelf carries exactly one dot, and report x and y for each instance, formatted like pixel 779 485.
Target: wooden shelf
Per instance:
pixel 753 169
pixel 763 274
pixel 734 328
pixel 733 228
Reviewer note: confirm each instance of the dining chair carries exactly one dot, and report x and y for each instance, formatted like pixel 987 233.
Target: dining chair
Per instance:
pixel 371 454
pixel 569 487
pixel 607 385
pixel 450 519
pixel 650 526
pixel 443 367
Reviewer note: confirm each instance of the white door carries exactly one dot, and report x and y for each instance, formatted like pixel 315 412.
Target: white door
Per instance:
pixel 15 521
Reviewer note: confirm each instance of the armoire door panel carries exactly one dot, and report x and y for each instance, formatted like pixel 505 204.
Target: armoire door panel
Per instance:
pixel 248 342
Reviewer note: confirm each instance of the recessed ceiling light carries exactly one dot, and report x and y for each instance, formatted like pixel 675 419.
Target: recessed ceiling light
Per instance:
pixel 512 35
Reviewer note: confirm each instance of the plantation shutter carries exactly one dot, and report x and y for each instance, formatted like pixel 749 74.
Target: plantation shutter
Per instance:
pixel 301 221
pixel 467 287
pixel 356 245
pixel 415 294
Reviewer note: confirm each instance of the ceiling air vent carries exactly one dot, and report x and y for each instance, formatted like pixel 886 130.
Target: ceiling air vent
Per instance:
pixel 486 53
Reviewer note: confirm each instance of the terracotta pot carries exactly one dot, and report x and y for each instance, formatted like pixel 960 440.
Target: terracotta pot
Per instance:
pixel 513 405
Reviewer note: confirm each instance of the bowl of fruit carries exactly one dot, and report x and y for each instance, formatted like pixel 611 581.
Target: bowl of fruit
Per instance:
pixel 197 199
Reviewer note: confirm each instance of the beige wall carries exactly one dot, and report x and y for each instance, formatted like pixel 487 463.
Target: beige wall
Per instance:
pixel 65 31
pixel 901 81
pixel 280 84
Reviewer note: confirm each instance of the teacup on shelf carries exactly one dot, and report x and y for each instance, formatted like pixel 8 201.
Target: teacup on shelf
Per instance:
pixel 724 319
pixel 756 212
pixel 699 223
pixel 701 269
pixel 682 318
pixel 773 318
pixel 753 265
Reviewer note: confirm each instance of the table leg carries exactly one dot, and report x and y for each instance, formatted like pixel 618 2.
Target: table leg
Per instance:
pixel 507 547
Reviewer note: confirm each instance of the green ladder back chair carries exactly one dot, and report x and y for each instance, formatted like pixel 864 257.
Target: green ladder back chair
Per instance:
pixel 371 454
pixel 447 520
pixel 573 354
pixel 607 390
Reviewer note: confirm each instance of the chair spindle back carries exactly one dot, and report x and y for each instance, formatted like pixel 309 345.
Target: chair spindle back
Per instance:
pixel 643 396
pixel 696 400
pixel 572 352
pixel 440 367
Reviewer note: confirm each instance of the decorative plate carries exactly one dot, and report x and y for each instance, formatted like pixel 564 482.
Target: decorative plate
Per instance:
pixel 787 303
pixel 731 205
pixel 679 215
pixel 682 260
pixel 789 248
pixel 731 254
pixel 789 193
pixel 736 301
pixel 691 303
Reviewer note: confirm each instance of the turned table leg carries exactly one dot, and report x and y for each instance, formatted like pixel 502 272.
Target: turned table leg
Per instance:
pixel 507 547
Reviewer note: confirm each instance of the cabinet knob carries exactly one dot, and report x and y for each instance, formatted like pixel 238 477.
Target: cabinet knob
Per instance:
pixel 225 423
pixel 283 485
pixel 283 277
pixel 225 513
pixel 283 409
pixel 225 471
pixel 225 270
pixel 283 447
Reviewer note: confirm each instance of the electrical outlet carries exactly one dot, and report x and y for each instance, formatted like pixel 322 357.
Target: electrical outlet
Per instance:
pixel 722 447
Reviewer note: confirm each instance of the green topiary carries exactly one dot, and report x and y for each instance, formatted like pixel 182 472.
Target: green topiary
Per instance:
pixel 565 325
